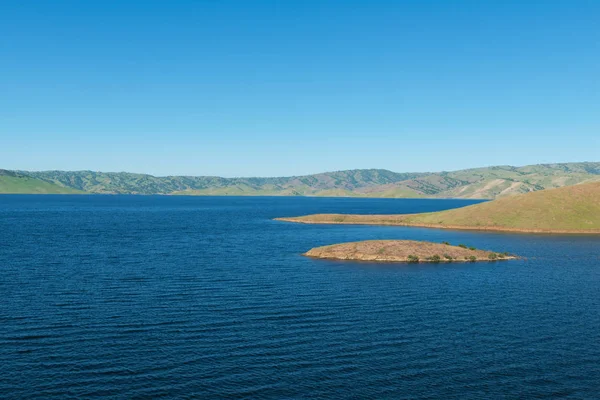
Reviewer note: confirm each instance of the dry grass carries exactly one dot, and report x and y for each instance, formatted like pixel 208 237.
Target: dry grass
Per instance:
pixel 403 251
pixel 571 209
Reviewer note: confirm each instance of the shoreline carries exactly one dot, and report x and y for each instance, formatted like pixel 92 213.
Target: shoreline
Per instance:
pixel 436 226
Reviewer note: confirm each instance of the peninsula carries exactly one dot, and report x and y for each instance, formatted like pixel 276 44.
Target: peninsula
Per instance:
pixel 409 251
pixel 570 209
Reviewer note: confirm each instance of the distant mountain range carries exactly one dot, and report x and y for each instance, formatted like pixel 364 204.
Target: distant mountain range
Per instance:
pixel 478 183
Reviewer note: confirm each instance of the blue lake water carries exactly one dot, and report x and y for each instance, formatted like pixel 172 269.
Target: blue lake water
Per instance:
pixel 208 297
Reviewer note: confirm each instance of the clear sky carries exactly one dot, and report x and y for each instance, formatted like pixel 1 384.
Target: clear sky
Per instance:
pixel 271 88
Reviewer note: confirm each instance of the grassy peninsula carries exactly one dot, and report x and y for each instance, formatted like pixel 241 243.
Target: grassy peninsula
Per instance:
pixel 571 209
pixel 409 251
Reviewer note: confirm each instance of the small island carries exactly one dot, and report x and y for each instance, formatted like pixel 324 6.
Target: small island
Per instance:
pixel 407 251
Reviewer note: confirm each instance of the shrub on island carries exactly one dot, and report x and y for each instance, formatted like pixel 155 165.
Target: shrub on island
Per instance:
pixel 434 258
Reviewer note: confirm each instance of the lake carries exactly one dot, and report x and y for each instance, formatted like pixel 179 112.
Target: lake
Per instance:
pixel 208 297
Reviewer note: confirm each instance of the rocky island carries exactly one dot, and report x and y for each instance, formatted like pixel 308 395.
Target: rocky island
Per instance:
pixel 408 251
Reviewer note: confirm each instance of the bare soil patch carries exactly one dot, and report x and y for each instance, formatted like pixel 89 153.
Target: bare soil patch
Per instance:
pixel 408 251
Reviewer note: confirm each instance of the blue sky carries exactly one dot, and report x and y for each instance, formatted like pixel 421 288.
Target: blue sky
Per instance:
pixel 271 88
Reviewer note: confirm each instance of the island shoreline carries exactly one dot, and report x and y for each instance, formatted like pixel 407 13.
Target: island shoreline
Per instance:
pixel 434 226
pixel 405 251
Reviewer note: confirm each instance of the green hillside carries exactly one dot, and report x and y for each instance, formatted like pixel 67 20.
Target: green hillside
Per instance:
pixel 309 185
pixel 479 183
pixel 568 209
pixel 11 183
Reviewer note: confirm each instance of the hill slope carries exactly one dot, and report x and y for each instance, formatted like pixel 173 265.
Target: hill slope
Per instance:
pixel 501 181
pixel 346 182
pixel 12 183
pixel 571 209
pixel 480 183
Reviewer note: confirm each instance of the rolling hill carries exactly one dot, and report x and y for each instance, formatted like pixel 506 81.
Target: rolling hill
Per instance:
pixel 570 209
pixel 480 183
pixel 347 183
pixel 14 183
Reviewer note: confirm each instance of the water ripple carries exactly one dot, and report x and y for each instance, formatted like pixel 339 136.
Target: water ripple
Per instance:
pixel 149 297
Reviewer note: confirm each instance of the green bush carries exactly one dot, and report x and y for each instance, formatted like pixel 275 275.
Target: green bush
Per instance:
pixel 446 243
pixel 472 248
pixel 472 258
pixel 413 259
pixel 435 258
pixel 493 256
pixel 464 246
pixel 448 257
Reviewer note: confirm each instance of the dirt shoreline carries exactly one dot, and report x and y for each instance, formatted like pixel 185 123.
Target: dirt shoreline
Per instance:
pixel 315 220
